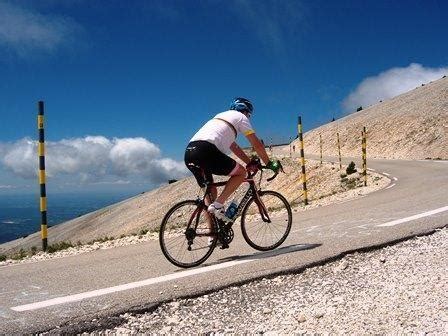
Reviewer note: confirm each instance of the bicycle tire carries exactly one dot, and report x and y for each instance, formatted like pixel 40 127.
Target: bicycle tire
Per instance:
pixel 173 229
pixel 279 222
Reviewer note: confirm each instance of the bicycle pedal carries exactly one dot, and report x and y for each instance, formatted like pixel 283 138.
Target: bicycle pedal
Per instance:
pixel 224 246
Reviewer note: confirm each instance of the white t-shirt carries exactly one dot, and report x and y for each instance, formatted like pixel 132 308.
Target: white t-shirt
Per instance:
pixel 223 128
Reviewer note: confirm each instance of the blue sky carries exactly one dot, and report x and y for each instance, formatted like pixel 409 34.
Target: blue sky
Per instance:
pixel 126 84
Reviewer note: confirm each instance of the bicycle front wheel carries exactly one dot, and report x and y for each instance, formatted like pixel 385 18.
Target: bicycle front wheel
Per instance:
pixel 263 232
pixel 184 235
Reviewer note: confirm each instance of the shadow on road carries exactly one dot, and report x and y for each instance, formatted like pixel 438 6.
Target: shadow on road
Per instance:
pixel 269 254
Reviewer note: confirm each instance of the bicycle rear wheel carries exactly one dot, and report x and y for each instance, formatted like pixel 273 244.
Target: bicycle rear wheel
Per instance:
pixel 263 234
pixel 184 235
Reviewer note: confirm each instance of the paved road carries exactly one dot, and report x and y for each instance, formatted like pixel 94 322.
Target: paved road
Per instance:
pixel 40 296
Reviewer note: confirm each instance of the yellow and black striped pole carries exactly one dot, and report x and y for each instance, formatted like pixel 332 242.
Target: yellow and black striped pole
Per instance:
pixel 43 193
pixel 364 155
pixel 320 138
pixel 302 158
pixel 339 151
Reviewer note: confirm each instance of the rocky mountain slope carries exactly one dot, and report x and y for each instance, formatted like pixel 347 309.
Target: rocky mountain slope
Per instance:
pixel 413 125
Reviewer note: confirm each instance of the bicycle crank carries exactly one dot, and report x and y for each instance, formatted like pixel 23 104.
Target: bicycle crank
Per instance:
pixel 226 236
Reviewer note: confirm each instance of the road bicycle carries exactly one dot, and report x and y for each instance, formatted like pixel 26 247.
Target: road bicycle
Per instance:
pixel 187 241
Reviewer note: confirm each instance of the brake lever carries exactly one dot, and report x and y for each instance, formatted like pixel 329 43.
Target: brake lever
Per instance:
pixel 281 167
pixel 272 177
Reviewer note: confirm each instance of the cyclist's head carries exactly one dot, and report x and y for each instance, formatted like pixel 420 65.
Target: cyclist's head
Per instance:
pixel 242 105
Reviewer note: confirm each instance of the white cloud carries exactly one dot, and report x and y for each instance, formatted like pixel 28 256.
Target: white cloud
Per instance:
pixel 93 159
pixel 21 158
pixel 133 155
pixel 389 84
pixel 26 31
pixel 116 182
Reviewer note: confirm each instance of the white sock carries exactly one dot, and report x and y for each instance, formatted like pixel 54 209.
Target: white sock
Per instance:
pixel 217 205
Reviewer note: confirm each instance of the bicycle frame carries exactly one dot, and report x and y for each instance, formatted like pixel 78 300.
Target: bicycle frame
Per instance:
pixel 251 191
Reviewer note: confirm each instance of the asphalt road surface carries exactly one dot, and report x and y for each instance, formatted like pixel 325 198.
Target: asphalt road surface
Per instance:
pixel 71 292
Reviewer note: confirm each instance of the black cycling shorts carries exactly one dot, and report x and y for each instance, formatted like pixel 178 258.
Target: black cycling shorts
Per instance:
pixel 203 159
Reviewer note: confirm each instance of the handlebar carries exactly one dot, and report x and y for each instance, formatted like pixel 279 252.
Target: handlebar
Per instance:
pixel 276 173
pixel 255 162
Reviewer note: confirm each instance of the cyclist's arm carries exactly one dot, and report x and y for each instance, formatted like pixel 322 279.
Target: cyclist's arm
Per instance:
pixel 239 153
pixel 258 147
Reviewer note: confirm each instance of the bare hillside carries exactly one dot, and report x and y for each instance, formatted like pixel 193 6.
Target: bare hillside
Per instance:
pixel 413 125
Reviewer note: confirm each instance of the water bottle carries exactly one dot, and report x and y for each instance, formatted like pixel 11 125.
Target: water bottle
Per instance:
pixel 232 209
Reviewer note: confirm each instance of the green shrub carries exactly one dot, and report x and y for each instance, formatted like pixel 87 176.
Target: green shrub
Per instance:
pixel 351 184
pixel 19 255
pixel 59 246
pixel 2 257
pixel 351 168
pixel 101 240
pixel 33 250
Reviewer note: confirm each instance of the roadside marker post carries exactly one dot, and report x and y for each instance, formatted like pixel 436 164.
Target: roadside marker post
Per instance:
pixel 364 155
pixel 339 151
pixel 43 192
pixel 302 158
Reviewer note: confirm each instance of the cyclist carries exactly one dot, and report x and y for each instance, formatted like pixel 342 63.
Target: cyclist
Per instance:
pixel 206 153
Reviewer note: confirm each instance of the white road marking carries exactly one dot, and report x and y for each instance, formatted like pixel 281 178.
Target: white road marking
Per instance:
pixel 120 288
pixel 386 174
pixel 365 233
pixel 411 218
pixel 306 229
pixel 370 169
pixel 394 178
pixel 392 185
pixel 152 281
pixel 440 161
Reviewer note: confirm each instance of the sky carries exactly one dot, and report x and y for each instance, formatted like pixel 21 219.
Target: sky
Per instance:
pixel 127 84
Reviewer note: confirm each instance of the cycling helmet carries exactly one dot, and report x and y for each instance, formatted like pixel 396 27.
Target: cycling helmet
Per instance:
pixel 242 105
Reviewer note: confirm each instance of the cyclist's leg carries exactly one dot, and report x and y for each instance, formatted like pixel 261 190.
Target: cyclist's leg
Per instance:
pixel 212 161
pixel 237 176
pixel 208 201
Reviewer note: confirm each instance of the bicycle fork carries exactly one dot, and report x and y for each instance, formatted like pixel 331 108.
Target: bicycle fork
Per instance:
pixel 262 209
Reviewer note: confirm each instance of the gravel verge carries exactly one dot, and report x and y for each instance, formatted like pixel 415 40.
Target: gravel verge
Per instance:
pixel 400 289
